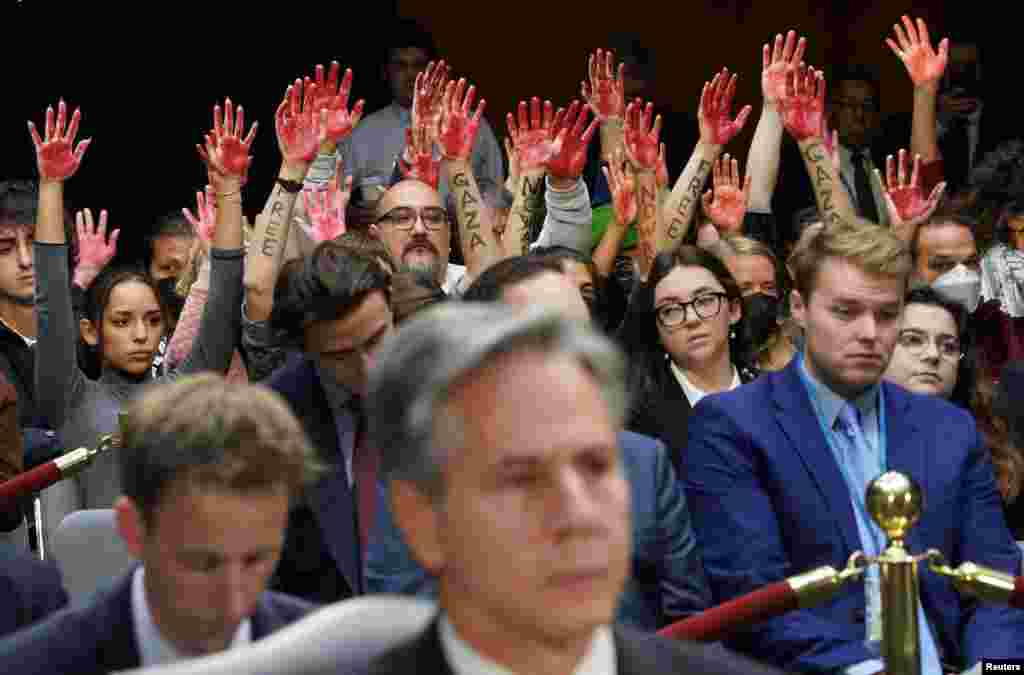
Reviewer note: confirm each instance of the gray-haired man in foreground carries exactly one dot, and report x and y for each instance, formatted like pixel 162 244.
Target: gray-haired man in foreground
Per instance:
pixel 499 432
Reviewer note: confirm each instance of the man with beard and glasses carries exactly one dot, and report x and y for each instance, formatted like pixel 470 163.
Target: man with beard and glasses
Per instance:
pixel 412 222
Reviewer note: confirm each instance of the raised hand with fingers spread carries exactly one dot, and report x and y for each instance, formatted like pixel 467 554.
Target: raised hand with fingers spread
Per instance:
pixel 458 126
pixel 299 127
pixel 226 152
pixel 777 62
pixel 428 96
pixel 726 203
pixel 641 137
pixel 623 188
pixel 662 175
pixel 95 249
pixel 914 48
pixel 905 199
pixel 535 138
pixel 326 208
pixel 57 156
pixel 714 113
pixel 418 160
pixel 204 222
pixel 331 95
pixel 604 92
pixel 803 108
pixel 567 164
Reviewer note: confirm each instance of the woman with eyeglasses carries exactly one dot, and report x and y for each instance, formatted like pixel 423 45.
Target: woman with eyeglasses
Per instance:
pixel 682 333
pixel 935 354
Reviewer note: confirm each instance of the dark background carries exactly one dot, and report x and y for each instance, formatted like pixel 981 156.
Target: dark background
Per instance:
pixel 147 75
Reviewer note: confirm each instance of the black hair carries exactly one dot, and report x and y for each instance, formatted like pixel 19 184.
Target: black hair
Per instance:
pixel 325 286
pixel 97 297
pixel 173 224
pixel 858 73
pixel 406 33
pixel 19 201
pixel 967 368
pixel 640 330
pixel 492 282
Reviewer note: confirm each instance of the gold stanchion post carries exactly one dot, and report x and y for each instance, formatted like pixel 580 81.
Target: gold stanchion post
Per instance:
pixel 895 503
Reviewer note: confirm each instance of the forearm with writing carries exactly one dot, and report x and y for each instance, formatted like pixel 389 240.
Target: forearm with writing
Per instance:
pixel 266 252
pixel 681 204
pixel 526 210
pixel 833 203
pixel 763 160
pixel 476 231
pixel 647 220
pixel 612 135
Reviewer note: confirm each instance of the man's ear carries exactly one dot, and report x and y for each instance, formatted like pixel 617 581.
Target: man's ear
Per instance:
pixel 418 518
pixel 798 308
pixel 89 332
pixel 130 525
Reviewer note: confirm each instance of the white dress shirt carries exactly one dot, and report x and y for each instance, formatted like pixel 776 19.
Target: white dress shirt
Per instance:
pixel 464 660
pixel 850 184
pixel 153 648
pixel 693 394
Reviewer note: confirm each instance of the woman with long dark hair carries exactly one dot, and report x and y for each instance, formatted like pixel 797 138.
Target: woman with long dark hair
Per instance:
pixel 684 339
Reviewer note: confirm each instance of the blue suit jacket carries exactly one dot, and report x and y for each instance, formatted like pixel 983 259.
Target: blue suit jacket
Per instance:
pixel 30 590
pixel 321 557
pixel 100 637
pixel 769 501
pixel 667 582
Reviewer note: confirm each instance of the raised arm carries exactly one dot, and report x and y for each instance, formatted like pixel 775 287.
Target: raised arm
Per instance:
pixel 716 129
pixel 458 132
pixel 623 188
pixel 925 67
pixel 331 93
pixel 299 132
pixel 604 92
pixel 803 114
pixel 906 202
pixel 227 158
pixel 568 216
pixel 58 381
pixel 763 161
pixel 641 142
pixel 536 144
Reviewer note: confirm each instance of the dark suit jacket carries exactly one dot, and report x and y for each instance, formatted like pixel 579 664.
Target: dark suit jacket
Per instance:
pixel 30 590
pixel 635 654
pixel 769 501
pixel 667 582
pixel 321 561
pixel 100 637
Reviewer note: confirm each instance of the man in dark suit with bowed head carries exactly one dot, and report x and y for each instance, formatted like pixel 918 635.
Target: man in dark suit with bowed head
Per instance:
pixel 498 431
pixel 208 469
pixel 775 474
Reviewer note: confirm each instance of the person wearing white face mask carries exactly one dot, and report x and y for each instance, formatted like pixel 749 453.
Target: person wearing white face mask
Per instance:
pixel 961 285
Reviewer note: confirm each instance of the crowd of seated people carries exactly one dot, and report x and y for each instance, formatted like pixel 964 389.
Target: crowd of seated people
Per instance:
pixel 570 393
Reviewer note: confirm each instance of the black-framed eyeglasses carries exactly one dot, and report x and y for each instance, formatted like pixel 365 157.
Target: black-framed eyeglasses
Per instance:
pixel 916 342
pixel 404 217
pixel 705 306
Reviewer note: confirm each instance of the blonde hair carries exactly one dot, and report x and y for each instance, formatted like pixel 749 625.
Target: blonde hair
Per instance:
pixel 872 248
pixel 738 245
pixel 213 434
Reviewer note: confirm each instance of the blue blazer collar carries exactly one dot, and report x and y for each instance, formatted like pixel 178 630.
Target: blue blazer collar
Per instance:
pixel 795 414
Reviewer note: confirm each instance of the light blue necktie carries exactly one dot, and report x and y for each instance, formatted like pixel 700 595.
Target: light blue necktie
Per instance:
pixel 862 465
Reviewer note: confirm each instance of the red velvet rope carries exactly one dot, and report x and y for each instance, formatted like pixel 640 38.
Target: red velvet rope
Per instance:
pixel 28 482
pixel 715 623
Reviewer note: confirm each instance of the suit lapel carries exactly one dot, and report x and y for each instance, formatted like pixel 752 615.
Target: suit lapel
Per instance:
pixel 798 420
pixel 903 444
pixel 330 499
